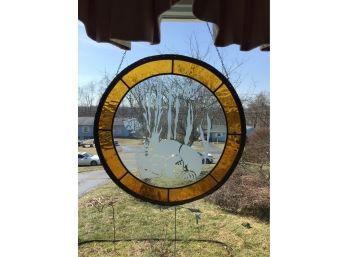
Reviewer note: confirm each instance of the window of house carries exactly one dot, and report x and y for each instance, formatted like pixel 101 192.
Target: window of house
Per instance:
pixel 85 129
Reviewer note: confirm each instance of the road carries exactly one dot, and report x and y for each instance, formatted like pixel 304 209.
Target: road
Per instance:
pixel 90 180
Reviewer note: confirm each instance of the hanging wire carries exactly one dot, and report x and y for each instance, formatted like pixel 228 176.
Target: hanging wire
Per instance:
pixel 119 67
pixel 174 231
pixel 218 53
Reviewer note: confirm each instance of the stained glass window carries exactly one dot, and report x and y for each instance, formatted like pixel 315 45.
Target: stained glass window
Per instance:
pixel 170 129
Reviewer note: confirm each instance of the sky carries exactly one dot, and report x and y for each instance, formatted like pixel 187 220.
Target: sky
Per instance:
pixel 94 59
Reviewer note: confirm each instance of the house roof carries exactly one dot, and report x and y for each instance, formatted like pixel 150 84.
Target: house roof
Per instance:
pixel 86 121
pixel 89 121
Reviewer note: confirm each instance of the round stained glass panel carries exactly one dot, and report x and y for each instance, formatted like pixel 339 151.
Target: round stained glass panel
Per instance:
pixel 169 129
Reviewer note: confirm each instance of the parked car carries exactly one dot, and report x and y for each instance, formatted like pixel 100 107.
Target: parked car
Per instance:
pixel 88 143
pixel 88 159
pixel 208 158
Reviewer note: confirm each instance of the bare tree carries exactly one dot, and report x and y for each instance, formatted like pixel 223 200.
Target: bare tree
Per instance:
pixel 103 83
pixel 257 111
pixel 88 97
pixel 81 96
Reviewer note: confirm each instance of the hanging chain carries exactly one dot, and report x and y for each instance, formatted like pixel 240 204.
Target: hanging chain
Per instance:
pixel 119 67
pixel 219 54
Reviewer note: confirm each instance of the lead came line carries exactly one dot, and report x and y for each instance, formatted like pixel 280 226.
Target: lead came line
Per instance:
pixel 125 83
pixel 218 87
pixel 214 178
pixel 123 176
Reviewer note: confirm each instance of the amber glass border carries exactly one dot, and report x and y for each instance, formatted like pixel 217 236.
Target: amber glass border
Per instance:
pixel 180 65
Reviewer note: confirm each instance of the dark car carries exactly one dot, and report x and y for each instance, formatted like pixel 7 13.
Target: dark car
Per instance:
pixel 208 158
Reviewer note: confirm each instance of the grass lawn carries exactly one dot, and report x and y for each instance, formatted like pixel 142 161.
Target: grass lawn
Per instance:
pixel 90 168
pixel 129 141
pixel 138 220
pixel 219 145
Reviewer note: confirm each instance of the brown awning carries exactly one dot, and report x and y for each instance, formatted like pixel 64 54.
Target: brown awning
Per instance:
pixel 242 22
pixel 117 21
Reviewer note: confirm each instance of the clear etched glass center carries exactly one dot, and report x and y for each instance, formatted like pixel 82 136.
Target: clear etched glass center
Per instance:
pixel 169 131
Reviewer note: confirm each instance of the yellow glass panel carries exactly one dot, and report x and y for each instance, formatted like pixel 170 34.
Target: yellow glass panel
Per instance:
pixel 110 105
pixel 230 108
pixel 150 192
pixel 199 188
pixel 231 149
pixel 147 70
pixel 109 153
pixel 197 72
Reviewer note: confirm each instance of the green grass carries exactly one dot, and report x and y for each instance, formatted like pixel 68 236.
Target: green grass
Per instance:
pixel 219 145
pixel 135 219
pixel 90 168
pixel 129 141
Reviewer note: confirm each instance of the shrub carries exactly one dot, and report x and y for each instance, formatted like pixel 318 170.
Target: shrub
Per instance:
pixel 246 192
pixel 257 148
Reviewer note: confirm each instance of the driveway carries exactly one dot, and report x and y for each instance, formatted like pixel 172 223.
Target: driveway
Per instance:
pixel 90 180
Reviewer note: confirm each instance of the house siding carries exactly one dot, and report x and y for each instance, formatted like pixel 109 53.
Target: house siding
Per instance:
pixel 120 131
pixel 217 137
pixel 83 134
pixel 86 132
